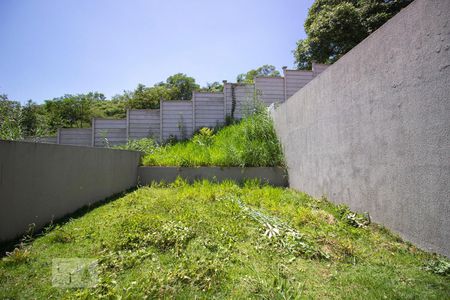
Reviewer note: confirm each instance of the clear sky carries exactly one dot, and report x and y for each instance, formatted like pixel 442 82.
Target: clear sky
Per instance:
pixel 49 48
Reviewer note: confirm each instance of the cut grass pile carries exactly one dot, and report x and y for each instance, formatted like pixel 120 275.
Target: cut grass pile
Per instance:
pixel 215 241
pixel 251 143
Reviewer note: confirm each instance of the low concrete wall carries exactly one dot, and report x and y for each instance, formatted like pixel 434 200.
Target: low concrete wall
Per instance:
pixel 271 175
pixel 42 182
pixel 373 130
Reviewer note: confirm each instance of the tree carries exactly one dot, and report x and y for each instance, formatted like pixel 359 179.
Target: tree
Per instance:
pixel 71 110
pixel 263 71
pixel 334 27
pixel 29 120
pixel 181 86
pixel 212 87
pixel 10 117
pixel 145 97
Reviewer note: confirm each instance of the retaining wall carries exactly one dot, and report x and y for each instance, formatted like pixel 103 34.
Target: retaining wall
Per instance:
pixel 373 130
pixel 43 182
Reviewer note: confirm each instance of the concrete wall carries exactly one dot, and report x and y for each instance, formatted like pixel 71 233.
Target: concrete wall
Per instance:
pixel 243 93
pixel 74 136
pixel 143 123
pixel 295 80
pixel 205 110
pixel 42 182
pixel 270 89
pixel 373 130
pixel 209 109
pixel 176 119
pixel 114 131
pixel 271 175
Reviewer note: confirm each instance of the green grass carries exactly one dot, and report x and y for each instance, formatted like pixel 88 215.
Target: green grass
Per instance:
pixel 252 142
pixel 216 241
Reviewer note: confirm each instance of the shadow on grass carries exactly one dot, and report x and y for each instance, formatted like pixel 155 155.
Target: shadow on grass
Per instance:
pixel 8 246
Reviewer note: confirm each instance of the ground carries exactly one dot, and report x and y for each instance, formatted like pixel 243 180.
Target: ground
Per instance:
pixel 210 240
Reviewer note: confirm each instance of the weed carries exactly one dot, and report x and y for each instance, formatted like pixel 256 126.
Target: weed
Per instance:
pixel 440 266
pixel 19 255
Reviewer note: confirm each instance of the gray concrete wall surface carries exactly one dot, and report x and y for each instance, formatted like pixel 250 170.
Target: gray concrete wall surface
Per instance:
pixel 272 175
pixel 373 130
pixel 43 182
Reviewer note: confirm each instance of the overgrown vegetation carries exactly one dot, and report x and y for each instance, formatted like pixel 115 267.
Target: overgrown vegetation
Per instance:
pixel 225 241
pixel 251 142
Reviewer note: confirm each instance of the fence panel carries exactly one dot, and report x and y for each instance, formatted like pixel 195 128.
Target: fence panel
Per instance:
pixel 75 136
pixel 318 68
pixel 176 119
pixel 143 123
pixel 270 89
pixel 295 80
pixel 209 109
pixel 243 93
pixel 109 132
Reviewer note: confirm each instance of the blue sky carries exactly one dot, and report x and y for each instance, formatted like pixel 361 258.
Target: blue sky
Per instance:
pixel 54 47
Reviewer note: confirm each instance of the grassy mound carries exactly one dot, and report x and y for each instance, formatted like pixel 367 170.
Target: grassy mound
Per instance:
pixel 252 142
pixel 208 240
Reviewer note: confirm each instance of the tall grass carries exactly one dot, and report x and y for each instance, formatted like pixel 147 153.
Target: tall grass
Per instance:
pixel 249 143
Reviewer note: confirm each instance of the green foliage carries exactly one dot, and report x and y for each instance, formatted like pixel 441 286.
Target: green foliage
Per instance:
pixel 252 142
pixel 439 265
pixel 213 87
pixel 204 137
pixel 263 71
pixel 211 241
pixel 146 145
pixel 176 87
pixel 182 85
pixel 71 110
pixel 353 219
pixel 333 27
pixel 10 119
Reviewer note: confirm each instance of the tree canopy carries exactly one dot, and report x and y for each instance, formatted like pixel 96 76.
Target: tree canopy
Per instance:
pixel 263 71
pixel 334 27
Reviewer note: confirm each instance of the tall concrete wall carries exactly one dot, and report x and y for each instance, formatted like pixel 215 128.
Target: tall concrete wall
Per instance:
pixel 373 130
pixel 43 182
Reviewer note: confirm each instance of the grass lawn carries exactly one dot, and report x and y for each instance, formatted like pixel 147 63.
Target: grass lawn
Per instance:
pixel 252 142
pixel 210 240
